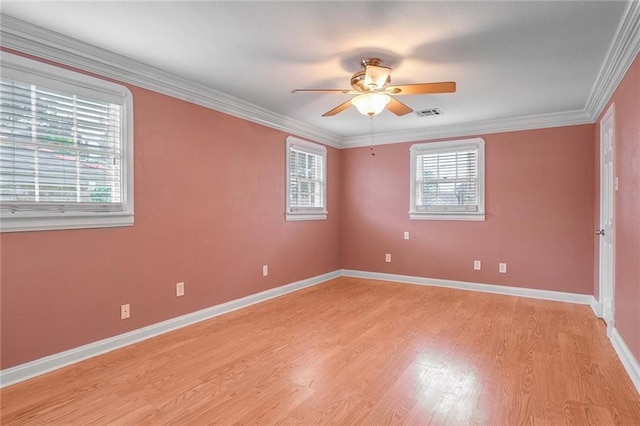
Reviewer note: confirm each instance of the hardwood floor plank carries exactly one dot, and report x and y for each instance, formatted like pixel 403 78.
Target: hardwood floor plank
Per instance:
pixel 351 351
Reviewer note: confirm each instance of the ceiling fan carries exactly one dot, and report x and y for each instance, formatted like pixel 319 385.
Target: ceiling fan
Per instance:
pixel 374 92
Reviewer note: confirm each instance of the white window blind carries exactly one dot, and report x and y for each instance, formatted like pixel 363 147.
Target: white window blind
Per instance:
pixel 306 180
pixel 63 152
pixel 448 179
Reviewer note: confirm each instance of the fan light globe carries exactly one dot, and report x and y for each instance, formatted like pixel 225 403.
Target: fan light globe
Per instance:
pixel 371 103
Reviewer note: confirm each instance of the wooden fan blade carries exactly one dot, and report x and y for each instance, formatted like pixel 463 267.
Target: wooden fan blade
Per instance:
pixel 322 90
pixel 423 88
pixel 397 107
pixel 338 109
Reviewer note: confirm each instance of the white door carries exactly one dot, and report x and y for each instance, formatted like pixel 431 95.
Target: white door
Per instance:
pixel 606 233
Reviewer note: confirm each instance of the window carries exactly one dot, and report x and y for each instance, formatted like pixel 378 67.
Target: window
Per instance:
pixel 66 149
pixel 447 180
pixel 306 180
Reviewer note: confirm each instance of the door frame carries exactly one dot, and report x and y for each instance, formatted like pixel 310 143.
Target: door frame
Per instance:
pixel 608 115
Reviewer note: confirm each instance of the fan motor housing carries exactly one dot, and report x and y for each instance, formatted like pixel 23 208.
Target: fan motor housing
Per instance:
pixel 357 82
pixel 357 79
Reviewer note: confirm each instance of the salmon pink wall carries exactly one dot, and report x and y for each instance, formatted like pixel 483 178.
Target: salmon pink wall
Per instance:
pixel 209 211
pixel 209 203
pixel 539 202
pixel 627 207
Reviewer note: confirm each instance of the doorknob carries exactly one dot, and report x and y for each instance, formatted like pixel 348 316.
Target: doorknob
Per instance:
pixel 600 232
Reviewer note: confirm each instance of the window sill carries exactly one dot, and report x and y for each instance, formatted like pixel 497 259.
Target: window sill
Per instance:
pixel 27 223
pixel 461 217
pixel 295 217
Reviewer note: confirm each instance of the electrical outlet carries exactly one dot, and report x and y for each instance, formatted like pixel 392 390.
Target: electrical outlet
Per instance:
pixel 406 235
pixel 265 270
pixel 502 268
pixel 179 289
pixel 477 265
pixel 124 311
pixel 387 258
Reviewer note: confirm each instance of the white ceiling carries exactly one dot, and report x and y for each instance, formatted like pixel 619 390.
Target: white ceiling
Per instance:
pixel 510 59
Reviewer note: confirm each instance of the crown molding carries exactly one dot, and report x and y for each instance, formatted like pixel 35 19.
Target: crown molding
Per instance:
pixel 539 121
pixel 31 39
pixel 622 52
pixel 45 44
pixel 28 370
pixel 620 56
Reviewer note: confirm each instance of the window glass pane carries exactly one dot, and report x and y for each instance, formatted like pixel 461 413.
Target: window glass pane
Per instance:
pixel 446 179
pixel 58 148
pixel 17 180
pixel 306 178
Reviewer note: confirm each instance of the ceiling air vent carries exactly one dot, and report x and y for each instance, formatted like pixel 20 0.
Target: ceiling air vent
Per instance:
pixel 428 112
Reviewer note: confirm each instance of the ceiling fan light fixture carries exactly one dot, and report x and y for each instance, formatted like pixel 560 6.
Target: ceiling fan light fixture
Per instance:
pixel 372 85
pixel 371 103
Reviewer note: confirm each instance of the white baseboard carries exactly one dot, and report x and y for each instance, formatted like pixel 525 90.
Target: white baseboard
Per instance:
pixel 53 362
pixel 558 296
pixel 44 365
pixel 629 362
pixel 597 308
pixel 626 357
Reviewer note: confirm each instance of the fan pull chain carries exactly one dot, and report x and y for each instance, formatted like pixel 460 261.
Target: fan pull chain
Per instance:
pixel 371 148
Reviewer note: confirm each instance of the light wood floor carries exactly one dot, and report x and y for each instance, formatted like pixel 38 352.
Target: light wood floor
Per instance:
pixel 352 351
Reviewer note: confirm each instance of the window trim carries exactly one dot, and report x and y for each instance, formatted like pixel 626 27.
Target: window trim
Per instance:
pixel 422 148
pixel 39 73
pixel 312 148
